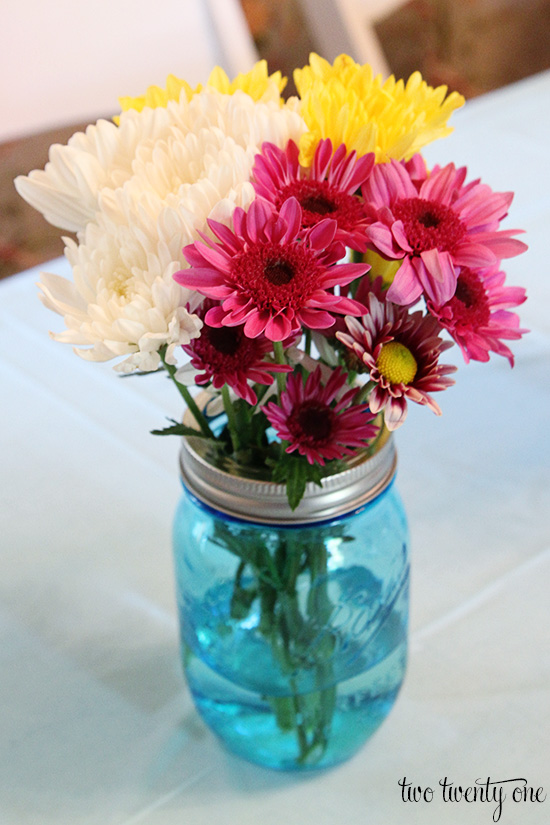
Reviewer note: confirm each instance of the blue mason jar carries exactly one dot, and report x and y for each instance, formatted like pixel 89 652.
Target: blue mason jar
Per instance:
pixel 293 623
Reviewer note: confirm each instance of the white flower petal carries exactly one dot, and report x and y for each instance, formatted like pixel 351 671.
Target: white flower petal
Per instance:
pixel 136 194
pixel 186 375
pixel 165 147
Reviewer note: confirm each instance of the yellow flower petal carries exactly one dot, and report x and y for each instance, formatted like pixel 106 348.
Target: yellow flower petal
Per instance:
pixel 348 104
pixel 256 83
pixel 155 96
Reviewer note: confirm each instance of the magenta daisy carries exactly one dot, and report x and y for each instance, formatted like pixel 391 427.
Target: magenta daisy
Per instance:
pixel 327 189
pixel 477 315
pixel 401 353
pixel 226 356
pixel 269 275
pixel 435 226
pixel 318 424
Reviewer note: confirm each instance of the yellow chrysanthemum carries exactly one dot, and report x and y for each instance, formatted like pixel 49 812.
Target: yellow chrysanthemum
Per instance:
pixel 155 96
pixel 256 83
pixel 348 104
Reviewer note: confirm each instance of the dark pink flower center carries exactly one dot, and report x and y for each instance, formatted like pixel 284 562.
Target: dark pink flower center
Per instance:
pixel 226 340
pixel 318 203
pixel 320 199
pixel 273 277
pixel 225 348
pixel 429 224
pixel 469 304
pixel 312 422
pixel 278 272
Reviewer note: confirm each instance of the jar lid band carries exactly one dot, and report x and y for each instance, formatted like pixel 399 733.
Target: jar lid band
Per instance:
pixel 266 502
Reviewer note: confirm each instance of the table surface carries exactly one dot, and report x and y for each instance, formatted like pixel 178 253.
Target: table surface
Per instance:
pixel 97 727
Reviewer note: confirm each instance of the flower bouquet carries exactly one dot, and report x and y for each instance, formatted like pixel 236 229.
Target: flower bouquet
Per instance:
pixel 299 262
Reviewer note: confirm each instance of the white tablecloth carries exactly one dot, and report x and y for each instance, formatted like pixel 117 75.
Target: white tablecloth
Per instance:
pixel 97 727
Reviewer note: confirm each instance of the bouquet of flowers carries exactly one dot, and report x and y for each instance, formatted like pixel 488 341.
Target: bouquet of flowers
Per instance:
pixel 280 251
pixel 298 261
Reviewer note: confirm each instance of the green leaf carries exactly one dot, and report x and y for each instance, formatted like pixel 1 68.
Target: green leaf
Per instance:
pixel 177 428
pixel 294 471
pixel 296 484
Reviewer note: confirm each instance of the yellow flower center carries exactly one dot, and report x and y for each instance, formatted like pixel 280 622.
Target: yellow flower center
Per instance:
pixel 119 284
pixel 397 363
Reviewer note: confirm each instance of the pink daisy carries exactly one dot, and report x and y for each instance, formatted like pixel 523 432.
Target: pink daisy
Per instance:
pixel 326 190
pixel 269 275
pixel 364 289
pixel 314 425
pixel 401 353
pixel 477 316
pixel 435 226
pixel 227 356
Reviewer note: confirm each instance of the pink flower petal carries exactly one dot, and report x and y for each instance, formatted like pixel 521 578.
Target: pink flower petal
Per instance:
pixel 196 278
pixel 278 328
pixel 480 205
pixel 474 254
pixel 406 288
pixel 193 255
pixel 440 285
pixel 322 234
pixel 291 214
pixel 226 236
pixel 214 317
pixel 344 274
pixel 256 218
pixel 501 244
pixel 382 239
pixel 439 186
pixel 216 256
pixel 350 306
pixel 395 413
pixel 322 159
pixel 256 324
pixel 316 318
pixel 398 231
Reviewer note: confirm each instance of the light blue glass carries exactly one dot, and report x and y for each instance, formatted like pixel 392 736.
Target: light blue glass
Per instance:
pixel 294 638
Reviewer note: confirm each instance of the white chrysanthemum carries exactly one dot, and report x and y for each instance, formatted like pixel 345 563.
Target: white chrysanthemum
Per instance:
pixel 137 194
pixel 181 181
pixel 105 156
pixel 124 301
pixel 66 191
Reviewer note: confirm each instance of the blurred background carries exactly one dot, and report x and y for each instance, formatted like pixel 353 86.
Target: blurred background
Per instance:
pixel 473 46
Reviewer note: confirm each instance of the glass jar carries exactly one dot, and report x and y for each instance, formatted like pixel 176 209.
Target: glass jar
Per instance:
pixel 293 623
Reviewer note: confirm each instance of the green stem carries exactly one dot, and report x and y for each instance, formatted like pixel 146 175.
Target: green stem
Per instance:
pixel 300 726
pixel 307 342
pixel 187 397
pixel 364 392
pixel 231 419
pixel 280 359
pixel 313 710
pixel 296 631
pixel 319 608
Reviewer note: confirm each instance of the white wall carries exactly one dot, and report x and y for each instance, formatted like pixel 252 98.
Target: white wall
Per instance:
pixel 66 61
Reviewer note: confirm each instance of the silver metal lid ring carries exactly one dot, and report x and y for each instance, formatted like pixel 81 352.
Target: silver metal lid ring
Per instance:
pixel 264 502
